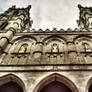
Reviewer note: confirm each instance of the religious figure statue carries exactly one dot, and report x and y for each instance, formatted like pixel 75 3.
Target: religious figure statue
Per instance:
pixel 54 48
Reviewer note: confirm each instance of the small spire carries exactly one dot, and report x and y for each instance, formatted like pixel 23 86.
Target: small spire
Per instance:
pixel 28 8
pixel 80 6
pixel 13 7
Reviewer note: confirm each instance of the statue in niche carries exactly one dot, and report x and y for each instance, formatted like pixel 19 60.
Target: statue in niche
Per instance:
pixel 86 47
pixel 23 48
pixel 54 48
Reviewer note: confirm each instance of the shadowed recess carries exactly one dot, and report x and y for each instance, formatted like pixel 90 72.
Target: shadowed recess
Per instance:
pixel 55 86
pixel 10 87
pixel 90 88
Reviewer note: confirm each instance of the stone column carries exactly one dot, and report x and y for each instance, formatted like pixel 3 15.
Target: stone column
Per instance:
pixel 5 39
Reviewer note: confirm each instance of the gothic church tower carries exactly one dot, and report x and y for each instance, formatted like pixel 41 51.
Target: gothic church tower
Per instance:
pixel 44 61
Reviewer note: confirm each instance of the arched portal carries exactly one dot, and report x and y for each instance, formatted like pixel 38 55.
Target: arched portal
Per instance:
pixel 55 86
pixel 55 83
pixel 10 87
pixel 11 83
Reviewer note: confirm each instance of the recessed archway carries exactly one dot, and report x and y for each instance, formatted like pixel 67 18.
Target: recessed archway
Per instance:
pixel 51 83
pixel 11 83
pixel 10 87
pixel 56 86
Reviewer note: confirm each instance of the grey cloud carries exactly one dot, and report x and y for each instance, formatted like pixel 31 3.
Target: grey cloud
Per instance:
pixel 50 13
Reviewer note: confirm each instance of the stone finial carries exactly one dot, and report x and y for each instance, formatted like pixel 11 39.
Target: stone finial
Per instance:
pixel 69 30
pixel 33 30
pixel 54 30
pixel 40 30
pixel 28 8
pixel 47 30
pixel 80 6
pixel 61 30
pixel 13 7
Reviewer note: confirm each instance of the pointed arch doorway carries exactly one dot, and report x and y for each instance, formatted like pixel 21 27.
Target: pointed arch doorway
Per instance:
pixel 11 83
pixel 56 83
pixel 10 87
pixel 55 86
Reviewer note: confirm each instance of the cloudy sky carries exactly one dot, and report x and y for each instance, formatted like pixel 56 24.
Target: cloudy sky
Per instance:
pixel 50 13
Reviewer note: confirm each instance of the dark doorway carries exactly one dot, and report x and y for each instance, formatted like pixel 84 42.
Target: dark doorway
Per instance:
pixel 90 88
pixel 10 87
pixel 55 87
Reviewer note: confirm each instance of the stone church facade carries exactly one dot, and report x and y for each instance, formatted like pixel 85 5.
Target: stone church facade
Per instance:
pixel 34 59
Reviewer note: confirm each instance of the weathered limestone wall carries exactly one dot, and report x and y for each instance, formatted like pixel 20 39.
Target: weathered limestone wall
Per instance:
pixel 32 79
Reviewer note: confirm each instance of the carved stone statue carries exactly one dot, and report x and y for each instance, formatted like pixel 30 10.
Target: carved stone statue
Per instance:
pixel 54 48
pixel 86 47
pixel 23 48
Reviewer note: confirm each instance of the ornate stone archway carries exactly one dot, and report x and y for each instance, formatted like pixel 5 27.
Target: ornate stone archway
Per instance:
pixel 10 80
pixel 11 87
pixel 56 77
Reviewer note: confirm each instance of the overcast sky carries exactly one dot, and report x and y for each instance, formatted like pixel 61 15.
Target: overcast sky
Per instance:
pixel 50 13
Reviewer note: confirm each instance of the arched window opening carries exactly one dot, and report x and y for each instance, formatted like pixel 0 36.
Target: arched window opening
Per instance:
pixel 55 86
pixel 3 25
pixel 55 83
pixel 23 48
pixel 10 87
pixel 54 48
pixel 86 47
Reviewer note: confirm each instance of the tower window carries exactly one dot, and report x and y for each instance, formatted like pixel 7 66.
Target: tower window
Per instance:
pixel 3 25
